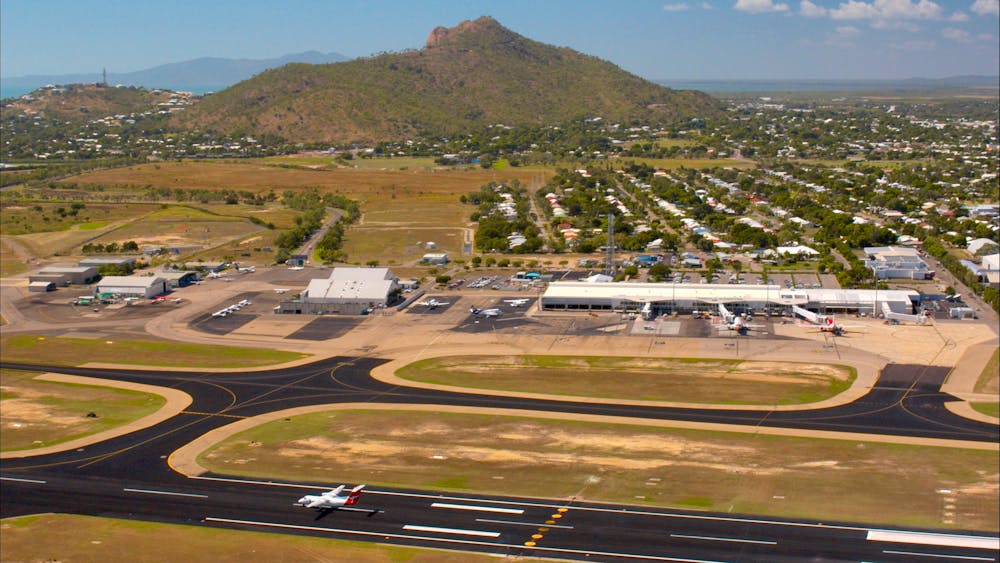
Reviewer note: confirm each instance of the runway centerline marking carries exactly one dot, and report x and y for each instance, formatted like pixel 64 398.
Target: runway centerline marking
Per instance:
pixel 459 531
pixel 938 555
pixel 477 508
pixel 712 538
pixel 152 492
pixel 23 480
pixel 532 524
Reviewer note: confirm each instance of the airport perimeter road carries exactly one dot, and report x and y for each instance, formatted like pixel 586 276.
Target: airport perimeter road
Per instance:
pixel 504 526
pixel 129 476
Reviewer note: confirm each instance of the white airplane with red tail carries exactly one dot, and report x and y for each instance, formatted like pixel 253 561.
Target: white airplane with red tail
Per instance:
pixel 331 500
pixel 734 322
pixel 824 322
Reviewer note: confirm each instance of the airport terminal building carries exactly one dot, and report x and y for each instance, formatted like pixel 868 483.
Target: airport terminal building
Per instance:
pixel 668 298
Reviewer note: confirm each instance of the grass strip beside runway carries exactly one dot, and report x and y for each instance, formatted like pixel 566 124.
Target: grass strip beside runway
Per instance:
pixel 743 473
pixel 29 348
pixel 86 538
pixel 682 380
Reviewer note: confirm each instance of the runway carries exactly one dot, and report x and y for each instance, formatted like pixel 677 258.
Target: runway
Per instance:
pixel 129 477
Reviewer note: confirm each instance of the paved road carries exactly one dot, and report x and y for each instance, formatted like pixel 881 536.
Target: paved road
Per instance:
pixel 129 477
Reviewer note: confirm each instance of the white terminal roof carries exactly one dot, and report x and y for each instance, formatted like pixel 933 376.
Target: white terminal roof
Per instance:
pixel 356 284
pixel 707 293
pixel 129 281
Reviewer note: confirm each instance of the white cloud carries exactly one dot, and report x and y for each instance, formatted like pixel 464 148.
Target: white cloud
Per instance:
pixel 958 17
pixel 706 6
pixel 811 10
pixel 888 10
pixel 760 6
pixel 986 7
pixel 848 30
pixel 956 34
pixel 678 7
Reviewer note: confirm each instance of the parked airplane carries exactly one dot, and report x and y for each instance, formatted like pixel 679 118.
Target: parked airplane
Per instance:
pixel 516 302
pixel 331 500
pixel 215 275
pixel 824 322
pixel 485 312
pixel 735 322
pixel 433 303
pixel 280 290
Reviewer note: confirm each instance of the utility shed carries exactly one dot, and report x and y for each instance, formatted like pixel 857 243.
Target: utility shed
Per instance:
pixel 131 286
pixel 349 291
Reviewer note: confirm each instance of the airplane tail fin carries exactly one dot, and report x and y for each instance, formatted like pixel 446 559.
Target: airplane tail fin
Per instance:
pixel 352 498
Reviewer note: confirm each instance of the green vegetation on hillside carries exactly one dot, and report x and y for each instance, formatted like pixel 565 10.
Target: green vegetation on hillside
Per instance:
pixel 476 74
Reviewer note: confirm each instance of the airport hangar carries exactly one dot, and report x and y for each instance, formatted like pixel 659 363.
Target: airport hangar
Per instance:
pixel 347 291
pixel 668 298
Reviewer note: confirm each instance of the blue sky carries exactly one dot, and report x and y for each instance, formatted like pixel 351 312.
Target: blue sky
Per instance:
pixel 666 39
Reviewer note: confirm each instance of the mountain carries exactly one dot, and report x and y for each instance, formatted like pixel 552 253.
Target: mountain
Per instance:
pixel 468 76
pixel 80 103
pixel 201 75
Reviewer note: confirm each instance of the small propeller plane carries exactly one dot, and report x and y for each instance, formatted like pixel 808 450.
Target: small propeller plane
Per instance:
pixel 329 501
pixel 485 312
pixel 516 302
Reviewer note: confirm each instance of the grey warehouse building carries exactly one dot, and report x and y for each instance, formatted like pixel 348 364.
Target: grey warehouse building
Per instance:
pixel 65 275
pixel 666 298
pixel 131 286
pixel 348 291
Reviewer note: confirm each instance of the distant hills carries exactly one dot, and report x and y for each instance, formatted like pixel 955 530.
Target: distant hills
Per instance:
pixel 198 75
pixel 475 74
pixel 974 82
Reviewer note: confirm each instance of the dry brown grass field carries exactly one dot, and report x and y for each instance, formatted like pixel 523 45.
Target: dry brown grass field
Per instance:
pixel 400 207
pixel 90 539
pixel 851 480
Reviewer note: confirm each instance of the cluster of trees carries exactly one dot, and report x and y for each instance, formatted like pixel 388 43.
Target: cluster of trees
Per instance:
pixel 110 248
pixel 495 228
pixel 313 206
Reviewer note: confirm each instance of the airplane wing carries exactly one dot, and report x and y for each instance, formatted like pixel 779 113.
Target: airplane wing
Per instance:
pixel 334 492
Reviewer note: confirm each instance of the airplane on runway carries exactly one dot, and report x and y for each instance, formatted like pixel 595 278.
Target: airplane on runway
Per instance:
pixel 433 303
pixel 331 500
pixel 734 322
pixel 516 302
pixel 824 322
pixel 485 312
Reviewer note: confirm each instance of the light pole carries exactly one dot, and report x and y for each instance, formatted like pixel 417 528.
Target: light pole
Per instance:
pixel 875 300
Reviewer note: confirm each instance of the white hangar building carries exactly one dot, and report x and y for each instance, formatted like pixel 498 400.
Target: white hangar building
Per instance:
pixel 684 298
pixel 350 291
pixel 131 286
